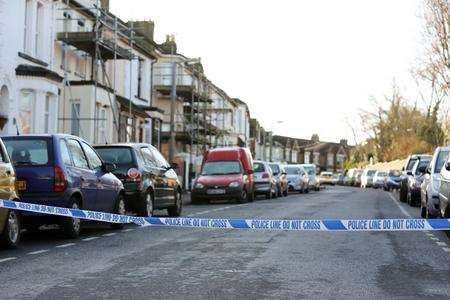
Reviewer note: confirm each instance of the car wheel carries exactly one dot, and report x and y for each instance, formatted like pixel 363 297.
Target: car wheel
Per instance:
pixel 251 196
pixel 146 205
pixel 307 191
pixel 175 210
pixel 119 210
pixel 285 193
pixel 403 194
pixel 279 191
pixel 244 197
pixel 423 212
pixel 71 227
pixel 11 233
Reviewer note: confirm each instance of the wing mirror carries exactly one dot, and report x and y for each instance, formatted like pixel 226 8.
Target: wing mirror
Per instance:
pixel 108 167
pixel 409 173
pixel 428 170
pixel 447 166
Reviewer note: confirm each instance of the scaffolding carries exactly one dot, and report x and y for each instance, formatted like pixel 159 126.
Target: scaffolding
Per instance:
pixel 104 42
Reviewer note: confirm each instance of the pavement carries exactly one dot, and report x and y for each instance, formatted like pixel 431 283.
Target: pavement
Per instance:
pixel 158 262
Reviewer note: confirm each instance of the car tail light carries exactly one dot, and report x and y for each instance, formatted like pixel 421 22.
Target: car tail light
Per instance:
pixel 265 175
pixel 134 174
pixel 60 180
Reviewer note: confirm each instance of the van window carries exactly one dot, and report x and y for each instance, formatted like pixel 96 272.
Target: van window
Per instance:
pixel 65 155
pixel 79 159
pixel 292 171
pixel 28 152
pixel 221 168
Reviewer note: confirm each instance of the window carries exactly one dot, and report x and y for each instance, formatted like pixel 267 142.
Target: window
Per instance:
pixel 140 74
pixel 28 152
pixel 94 160
pixel 26 108
pixel 440 161
pixel 65 155
pixel 47 114
pixel 258 168
pixel 120 156
pixel 80 61
pixel 221 168
pixel 160 160
pixel 330 159
pixel 148 157
pixel 27 27
pixel 79 159
pixel 38 49
pixel 75 119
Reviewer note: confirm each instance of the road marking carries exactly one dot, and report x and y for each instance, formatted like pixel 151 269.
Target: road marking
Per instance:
pixel 109 234
pixel 38 252
pixel 127 230
pixel 90 239
pixel 446 249
pixel 429 234
pixel 399 206
pixel 435 239
pixel 441 244
pixel 7 259
pixel 66 245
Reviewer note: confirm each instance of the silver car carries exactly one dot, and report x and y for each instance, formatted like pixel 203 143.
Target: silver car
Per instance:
pixel 379 179
pixel 429 190
pixel 314 182
pixel 298 179
pixel 265 182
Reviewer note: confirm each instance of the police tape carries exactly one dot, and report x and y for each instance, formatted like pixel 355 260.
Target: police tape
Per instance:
pixel 225 223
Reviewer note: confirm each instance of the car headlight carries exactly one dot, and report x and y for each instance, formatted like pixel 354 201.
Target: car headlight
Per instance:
pixel 198 185
pixel 234 184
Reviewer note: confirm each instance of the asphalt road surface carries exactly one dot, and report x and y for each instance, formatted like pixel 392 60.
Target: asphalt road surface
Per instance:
pixel 143 263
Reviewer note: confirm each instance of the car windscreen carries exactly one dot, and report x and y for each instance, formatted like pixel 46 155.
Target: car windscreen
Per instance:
pixel 395 173
pixel 292 171
pixel 440 161
pixel 371 173
pixel 28 152
pixel 116 155
pixel 310 170
pixel 381 174
pixel 258 167
pixel 275 169
pixel 411 164
pixel 221 168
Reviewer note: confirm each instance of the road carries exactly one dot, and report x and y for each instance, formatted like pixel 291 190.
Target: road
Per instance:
pixel 161 262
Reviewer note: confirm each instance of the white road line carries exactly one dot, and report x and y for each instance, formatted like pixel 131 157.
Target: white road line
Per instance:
pixel 109 234
pixel 7 259
pixel 442 244
pixel 399 206
pixel 66 245
pixel 429 234
pixel 90 239
pixel 127 230
pixel 38 252
pixel 435 239
pixel 446 249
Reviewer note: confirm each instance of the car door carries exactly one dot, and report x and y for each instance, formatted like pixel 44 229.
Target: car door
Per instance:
pixel 156 174
pixel 105 183
pixel 87 178
pixel 169 177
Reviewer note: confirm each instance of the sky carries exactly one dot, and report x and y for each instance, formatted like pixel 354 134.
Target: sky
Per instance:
pixel 310 64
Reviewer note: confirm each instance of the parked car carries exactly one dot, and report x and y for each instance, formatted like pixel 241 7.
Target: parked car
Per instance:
pixel 430 186
pixel 265 182
pixel 314 182
pixel 410 161
pixel 65 171
pixel 227 173
pixel 392 181
pixel 367 178
pixel 339 178
pixel 415 179
pixel 358 174
pixel 444 190
pixel 379 179
pixel 149 181
pixel 281 179
pixel 298 180
pixel 349 177
pixel 9 219
pixel 327 178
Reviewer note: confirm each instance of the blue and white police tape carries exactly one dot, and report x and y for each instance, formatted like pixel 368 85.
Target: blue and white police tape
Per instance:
pixel 252 224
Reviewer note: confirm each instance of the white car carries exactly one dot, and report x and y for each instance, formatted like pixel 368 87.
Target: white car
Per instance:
pixel 298 179
pixel 429 190
pixel 314 182
pixel 367 178
pixel 379 179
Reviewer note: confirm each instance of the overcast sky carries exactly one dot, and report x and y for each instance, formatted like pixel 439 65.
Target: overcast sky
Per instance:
pixel 311 64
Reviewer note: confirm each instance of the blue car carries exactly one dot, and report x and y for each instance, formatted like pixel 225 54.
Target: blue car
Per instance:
pixel 65 171
pixel 393 180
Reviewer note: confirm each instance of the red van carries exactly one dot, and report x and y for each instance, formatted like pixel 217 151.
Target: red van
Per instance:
pixel 227 173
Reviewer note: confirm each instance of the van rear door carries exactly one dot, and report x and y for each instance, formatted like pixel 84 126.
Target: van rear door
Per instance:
pixel 33 160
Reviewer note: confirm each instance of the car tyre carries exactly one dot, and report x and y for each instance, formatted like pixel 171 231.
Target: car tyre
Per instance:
pixel 251 196
pixel 175 210
pixel 71 227
pixel 11 233
pixel 403 197
pixel 285 193
pixel 147 205
pixel 119 210
pixel 279 191
pixel 424 212
pixel 244 197
pixel 269 195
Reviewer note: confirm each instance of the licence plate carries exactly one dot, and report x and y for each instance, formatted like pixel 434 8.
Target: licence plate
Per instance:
pixel 216 192
pixel 21 185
